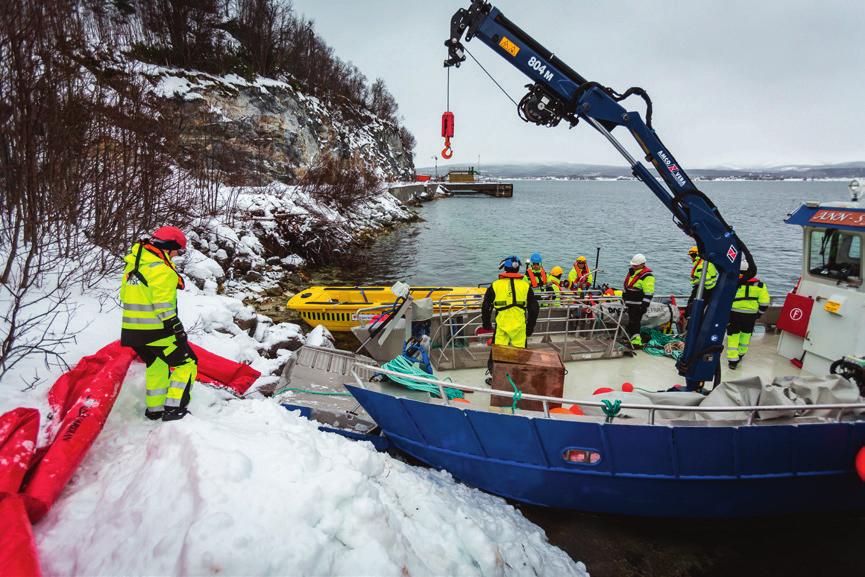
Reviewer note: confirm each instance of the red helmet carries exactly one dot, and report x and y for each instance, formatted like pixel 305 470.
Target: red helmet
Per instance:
pixel 169 238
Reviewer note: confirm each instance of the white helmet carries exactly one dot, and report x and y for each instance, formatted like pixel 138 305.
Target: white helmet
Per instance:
pixel 638 260
pixel 743 264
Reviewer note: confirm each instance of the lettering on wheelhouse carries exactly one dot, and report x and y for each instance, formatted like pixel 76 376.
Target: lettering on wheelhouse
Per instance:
pixel 672 167
pixel 842 217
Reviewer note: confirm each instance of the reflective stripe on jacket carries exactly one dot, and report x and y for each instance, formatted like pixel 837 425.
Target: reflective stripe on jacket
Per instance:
pixel 711 274
pixel 751 297
pixel 148 303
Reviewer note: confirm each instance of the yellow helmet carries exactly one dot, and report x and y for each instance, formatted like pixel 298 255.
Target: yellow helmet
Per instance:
pixel 557 271
pixel 581 259
pixel 693 250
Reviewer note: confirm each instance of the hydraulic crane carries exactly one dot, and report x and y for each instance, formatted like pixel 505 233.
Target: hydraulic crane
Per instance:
pixel 558 93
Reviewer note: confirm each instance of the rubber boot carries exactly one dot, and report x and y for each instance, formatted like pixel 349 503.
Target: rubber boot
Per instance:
pixel 174 413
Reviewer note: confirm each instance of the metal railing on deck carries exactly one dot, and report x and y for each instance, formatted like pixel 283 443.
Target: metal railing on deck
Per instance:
pixel 571 316
pixel 752 410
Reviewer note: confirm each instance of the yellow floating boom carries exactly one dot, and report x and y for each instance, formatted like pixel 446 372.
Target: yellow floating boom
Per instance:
pixel 339 308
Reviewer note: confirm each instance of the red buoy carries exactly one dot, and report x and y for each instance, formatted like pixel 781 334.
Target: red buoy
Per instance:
pixel 575 409
pixel 602 390
pixel 628 387
pixel 860 463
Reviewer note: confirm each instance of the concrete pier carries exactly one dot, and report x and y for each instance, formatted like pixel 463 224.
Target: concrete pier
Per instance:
pixel 420 191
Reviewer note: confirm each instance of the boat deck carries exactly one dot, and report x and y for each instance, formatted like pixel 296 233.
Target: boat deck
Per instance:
pixel 647 371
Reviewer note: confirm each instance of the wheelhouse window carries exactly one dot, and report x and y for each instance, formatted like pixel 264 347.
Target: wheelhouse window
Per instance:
pixel 835 254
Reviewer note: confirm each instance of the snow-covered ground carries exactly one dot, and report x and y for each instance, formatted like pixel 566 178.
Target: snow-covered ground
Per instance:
pixel 244 487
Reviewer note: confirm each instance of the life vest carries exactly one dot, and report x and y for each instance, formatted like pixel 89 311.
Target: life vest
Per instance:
pixel 632 279
pixel 535 280
pixel 511 291
pixel 634 294
pixel 582 277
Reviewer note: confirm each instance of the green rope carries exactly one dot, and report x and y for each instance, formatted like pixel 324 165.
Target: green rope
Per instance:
pixel 518 394
pixel 412 369
pixel 611 409
pixel 657 340
pixel 333 394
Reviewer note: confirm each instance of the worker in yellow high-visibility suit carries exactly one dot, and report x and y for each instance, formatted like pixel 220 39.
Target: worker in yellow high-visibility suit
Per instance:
pixel 150 325
pixel 751 301
pixel 580 276
pixel 515 304
pixel 554 284
pixel 696 274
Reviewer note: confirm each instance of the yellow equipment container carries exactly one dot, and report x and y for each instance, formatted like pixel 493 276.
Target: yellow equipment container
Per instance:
pixel 339 308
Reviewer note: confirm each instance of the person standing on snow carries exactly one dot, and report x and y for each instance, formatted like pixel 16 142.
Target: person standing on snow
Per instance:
pixel 151 327
pixel 638 292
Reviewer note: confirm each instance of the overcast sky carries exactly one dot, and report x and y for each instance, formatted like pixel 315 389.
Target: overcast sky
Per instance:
pixel 733 82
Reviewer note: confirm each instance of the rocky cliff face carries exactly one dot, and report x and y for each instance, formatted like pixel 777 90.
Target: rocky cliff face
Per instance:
pixel 258 131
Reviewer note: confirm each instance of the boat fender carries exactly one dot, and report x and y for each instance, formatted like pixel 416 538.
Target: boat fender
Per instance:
pixel 575 409
pixel 627 387
pixel 602 390
pixel 860 463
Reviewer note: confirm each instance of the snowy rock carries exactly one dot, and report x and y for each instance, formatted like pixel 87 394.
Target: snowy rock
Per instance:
pixel 281 336
pixel 200 268
pixel 320 337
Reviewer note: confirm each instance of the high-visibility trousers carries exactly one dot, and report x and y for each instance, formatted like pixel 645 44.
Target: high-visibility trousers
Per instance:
pixel 171 370
pixel 739 331
pixel 513 335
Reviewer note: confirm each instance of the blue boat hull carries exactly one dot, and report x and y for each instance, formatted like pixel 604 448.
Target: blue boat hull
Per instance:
pixel 687 471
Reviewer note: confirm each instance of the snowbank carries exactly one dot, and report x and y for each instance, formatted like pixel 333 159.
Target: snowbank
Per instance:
pixel 244 487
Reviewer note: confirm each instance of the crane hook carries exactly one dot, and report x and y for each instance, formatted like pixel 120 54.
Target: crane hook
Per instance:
pixel 446 151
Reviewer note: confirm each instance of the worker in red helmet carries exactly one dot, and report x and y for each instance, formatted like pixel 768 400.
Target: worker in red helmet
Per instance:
pixel 148 293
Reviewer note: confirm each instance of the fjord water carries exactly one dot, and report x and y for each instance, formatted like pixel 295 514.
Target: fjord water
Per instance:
pixel 461 239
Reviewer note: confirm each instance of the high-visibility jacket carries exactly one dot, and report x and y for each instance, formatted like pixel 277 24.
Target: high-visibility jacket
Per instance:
pixel 579 278
pixel 516 309
pixel 537 278
pixel 556 289
pixel 752 297
pixel 148 294
pixel 711 274
pixel 639 286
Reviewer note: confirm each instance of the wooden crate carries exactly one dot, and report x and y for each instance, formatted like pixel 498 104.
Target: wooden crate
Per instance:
pixel 535 371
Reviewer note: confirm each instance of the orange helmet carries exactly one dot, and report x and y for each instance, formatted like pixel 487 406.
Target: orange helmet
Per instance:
pixel 557 271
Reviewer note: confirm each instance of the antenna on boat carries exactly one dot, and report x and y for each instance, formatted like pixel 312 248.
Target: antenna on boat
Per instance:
pixel 597 259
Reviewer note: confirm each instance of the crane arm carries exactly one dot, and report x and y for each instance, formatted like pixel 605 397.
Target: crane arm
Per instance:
pixel 559 93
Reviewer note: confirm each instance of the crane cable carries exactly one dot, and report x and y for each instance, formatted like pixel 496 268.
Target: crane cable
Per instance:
pixel 491 76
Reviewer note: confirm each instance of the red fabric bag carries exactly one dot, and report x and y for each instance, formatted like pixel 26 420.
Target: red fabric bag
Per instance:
pixel 80 401
pixel 18 556
pixel 223 372
pixel 19 430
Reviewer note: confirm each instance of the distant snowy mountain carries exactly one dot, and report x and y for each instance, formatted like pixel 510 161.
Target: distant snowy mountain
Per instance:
pixel 575 171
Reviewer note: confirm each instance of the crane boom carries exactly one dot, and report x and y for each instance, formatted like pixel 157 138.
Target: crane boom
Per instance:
pixel 559 93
